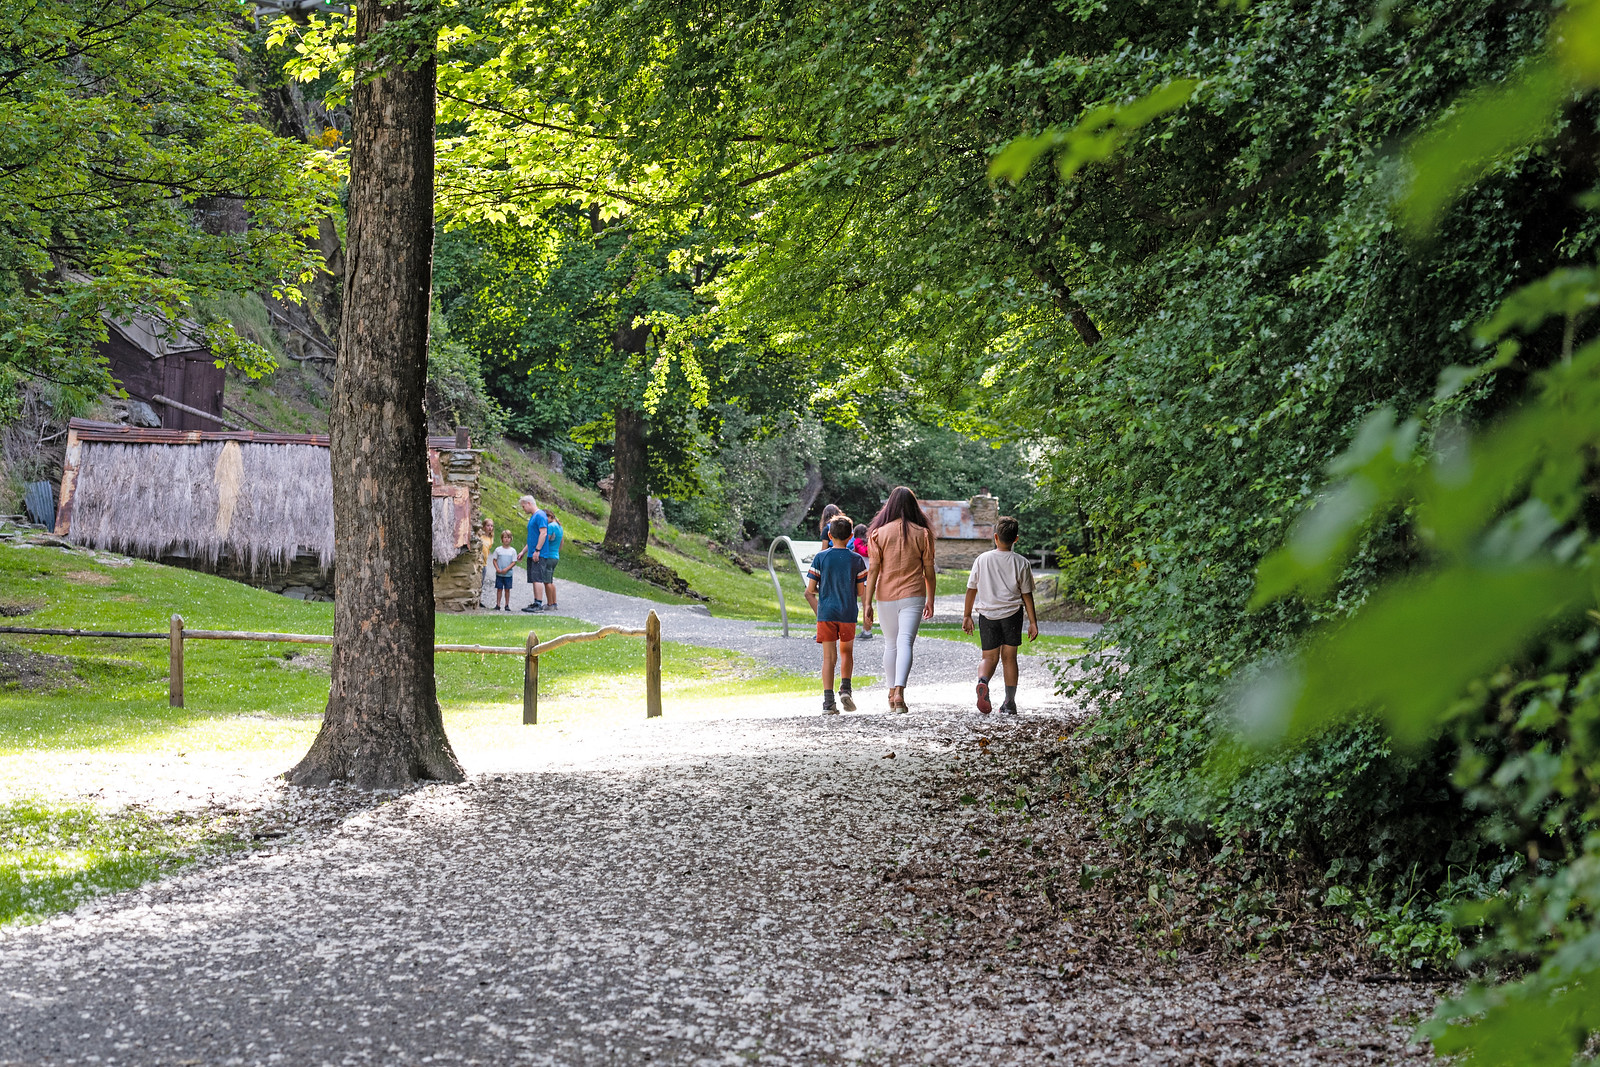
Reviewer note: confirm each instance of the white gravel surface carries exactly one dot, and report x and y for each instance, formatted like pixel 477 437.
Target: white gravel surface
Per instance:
pixel 705 892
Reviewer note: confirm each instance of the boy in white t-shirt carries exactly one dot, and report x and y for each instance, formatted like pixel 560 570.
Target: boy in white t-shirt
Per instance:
pixel 1001 585
pixel 505 560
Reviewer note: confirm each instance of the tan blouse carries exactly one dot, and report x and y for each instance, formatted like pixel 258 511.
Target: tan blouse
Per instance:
pixel 899 562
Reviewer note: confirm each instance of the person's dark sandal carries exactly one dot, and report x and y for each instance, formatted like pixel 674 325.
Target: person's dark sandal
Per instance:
pixel 983 697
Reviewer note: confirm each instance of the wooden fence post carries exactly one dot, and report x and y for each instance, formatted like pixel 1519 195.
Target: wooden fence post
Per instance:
pixel 652 666
pixel 175 663
pixel 530 683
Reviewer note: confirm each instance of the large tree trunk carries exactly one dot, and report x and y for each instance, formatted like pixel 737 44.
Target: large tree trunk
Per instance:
pixel 382 727
pixel 628 529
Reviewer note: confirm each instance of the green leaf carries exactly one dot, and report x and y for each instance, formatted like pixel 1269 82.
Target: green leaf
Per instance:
pixel 1409 652
pixel 1095 138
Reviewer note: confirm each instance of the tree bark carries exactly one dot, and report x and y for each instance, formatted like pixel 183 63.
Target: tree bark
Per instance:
pixel 1061 294
pixel 382 728
pixel 628 528
pixel 791 515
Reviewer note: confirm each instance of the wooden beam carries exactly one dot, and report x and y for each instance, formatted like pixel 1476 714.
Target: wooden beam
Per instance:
pixel 167 401
pixel 69 482
pixel 652 666
pixel 530 682
pixel 175 663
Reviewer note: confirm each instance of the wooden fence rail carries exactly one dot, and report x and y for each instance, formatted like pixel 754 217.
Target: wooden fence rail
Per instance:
pixel 531 651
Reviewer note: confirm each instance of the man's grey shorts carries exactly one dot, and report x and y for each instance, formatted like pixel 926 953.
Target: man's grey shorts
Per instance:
pixel 542 570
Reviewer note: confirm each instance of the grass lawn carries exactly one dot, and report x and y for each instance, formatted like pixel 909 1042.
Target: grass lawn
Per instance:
pixel 91 693
pixel 54 856
pixel 87 706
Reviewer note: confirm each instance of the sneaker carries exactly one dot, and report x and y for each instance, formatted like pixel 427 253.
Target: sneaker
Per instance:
pixel 847 700
pixel 532 608
pixel 983 698
pixel 866 635
pixel 829 707
pixel 1008 708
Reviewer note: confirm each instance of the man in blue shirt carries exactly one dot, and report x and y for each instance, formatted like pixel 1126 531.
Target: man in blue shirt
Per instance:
pixel 538 523
pixel 549 556
pixel 833 589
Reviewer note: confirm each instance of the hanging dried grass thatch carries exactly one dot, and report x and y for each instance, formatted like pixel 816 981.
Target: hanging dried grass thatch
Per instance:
pixel 259 504
pixel 444 529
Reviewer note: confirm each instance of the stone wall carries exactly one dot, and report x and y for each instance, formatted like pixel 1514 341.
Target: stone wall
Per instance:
pixel 957 554
pixel 457 584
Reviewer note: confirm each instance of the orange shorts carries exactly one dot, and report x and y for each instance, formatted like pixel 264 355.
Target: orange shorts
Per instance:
pixel 842 632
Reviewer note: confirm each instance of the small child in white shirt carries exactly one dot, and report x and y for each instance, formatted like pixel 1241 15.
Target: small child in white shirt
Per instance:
pixel 504 559
pixel 1001 585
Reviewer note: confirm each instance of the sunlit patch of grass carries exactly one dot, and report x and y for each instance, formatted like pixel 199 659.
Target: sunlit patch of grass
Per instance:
pixel 270 696
pixel 54 857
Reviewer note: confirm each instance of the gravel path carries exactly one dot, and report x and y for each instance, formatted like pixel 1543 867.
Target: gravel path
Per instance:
pixel 694 892
pixel 759 886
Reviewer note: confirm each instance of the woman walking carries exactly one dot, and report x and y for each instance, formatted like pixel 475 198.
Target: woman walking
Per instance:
pixel 900 579
pixel 828 514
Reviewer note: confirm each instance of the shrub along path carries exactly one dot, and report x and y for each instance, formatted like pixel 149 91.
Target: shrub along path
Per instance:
pixel 766 886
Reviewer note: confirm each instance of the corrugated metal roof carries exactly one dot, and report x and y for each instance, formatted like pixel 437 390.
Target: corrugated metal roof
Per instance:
pixel 90 430
pixel 155 335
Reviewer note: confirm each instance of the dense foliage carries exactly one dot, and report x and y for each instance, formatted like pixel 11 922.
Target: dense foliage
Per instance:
pixel 130 156
pixel 1187 332
pixel 1218 292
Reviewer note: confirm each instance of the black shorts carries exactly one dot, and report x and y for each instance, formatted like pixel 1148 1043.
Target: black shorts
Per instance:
pixel 542 570
pixel 996 632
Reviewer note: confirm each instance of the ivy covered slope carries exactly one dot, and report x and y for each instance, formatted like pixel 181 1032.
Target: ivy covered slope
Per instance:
pixel 1248 348
pixel 129 158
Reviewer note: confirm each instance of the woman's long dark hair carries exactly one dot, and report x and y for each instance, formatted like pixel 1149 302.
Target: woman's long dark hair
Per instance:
pixel 901 506
pixel 827 516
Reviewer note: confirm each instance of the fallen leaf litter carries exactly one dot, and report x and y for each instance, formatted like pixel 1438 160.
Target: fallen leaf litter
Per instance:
pixel 744 889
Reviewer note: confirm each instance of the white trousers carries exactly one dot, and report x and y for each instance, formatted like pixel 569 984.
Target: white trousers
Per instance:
pixel 899 620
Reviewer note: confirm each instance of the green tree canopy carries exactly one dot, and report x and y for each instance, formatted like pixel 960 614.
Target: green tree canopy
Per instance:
pixel 130 158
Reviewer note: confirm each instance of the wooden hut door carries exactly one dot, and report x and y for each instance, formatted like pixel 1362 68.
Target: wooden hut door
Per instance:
pixel 202 388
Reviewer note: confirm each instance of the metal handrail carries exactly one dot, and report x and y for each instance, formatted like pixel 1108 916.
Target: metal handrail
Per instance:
pixel 794 554
pixel 783 609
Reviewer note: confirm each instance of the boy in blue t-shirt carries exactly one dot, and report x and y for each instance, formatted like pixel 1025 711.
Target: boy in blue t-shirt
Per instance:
pixel 833 589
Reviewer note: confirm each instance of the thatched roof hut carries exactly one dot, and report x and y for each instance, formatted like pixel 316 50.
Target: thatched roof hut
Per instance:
pixel 248 503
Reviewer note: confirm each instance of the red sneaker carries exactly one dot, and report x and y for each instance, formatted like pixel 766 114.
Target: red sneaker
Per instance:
pixel 983 698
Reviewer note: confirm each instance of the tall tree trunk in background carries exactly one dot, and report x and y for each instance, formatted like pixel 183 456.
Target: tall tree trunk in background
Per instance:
pixel 791 515
pixel 628 529
pixel 382 727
